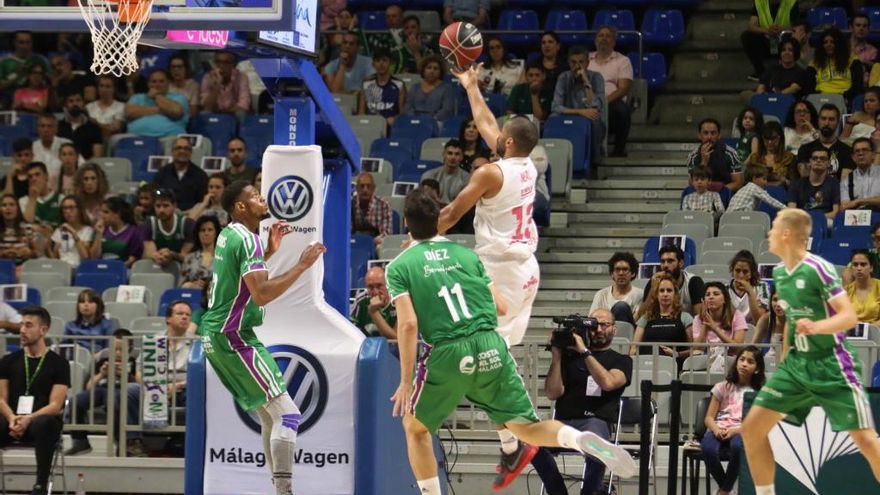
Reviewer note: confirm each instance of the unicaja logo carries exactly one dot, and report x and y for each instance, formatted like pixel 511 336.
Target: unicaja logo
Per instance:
pixel 290 198
pixel 306 383
pixel 466 365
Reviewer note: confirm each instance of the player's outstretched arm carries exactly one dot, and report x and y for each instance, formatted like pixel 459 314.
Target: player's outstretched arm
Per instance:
pixel 265 290
pixel 407 342
pixel 844 318
pixel 484 179
pixel 483 117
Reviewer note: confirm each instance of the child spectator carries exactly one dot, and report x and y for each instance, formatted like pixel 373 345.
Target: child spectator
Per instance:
pixel 725 414
pixel 90 322
pixel 751 195
pixel 702 199
pixel 750 124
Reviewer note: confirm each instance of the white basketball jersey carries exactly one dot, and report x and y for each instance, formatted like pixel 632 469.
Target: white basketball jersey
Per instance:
pixel 503 224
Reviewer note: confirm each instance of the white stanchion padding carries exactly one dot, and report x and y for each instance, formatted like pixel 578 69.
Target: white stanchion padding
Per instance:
pixel 315 347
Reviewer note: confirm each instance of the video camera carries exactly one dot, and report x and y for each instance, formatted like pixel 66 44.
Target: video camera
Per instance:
pixel 563 335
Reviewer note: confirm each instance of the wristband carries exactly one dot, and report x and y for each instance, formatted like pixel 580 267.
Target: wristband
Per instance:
pixel 585 354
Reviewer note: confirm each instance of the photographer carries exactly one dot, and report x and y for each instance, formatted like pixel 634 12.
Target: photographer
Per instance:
pixel 586 379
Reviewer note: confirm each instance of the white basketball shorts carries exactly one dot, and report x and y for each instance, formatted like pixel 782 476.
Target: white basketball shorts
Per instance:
pixel 517 281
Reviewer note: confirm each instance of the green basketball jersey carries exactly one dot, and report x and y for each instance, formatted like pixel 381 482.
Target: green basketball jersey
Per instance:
pixel 805 293
pixel 230 309
pixel 172 240
pixel 448 286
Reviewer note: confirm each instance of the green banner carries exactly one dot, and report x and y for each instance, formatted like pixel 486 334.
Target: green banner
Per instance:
pixel 813 460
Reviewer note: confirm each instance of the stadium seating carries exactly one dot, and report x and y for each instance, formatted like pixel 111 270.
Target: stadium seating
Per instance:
pixel 412 170
pixel 873 14
pixel 725 244
pixel 363 242
pixel 663 27
pixel 572 128
pixel 158 283
pixel 746 217
pixel 218 127
pixel 819 99
pixel 117 169
pixel 651 251
pixel 192 296
pixel 392 145
pixel 776 104
pixel 821 17
pixel 652 69
pixel 839 250
pixel 32 296
pixel 690 217
pixel 372 19
pixel 138 149
pixel 519 20
pixel 697 232
pixel 414 128
pixel 43 281
pixel 64 294
pixel 756 233
pixel 110 295
pixel 125 312
pixel 450 127
pixel 567 20
pixel 623 20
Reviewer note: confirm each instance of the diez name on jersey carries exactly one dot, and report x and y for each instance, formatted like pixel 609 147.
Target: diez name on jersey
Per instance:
pixel 436 255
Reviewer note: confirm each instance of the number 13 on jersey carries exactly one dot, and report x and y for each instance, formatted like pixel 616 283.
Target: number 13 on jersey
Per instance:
pixel 523 216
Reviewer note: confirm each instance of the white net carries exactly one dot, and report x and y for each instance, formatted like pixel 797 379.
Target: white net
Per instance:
pixel 116 27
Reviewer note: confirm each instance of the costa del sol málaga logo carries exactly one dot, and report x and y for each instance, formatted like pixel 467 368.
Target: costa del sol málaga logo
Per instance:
pixel 290 198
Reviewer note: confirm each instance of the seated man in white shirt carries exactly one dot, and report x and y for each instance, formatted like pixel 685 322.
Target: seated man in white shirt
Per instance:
pixel 621 298
pixel 861 188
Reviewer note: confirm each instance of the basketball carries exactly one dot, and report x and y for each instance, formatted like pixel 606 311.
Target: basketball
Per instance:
pixel 460 44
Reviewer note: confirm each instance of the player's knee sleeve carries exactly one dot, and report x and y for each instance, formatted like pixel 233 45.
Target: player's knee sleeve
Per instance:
pixel 285 418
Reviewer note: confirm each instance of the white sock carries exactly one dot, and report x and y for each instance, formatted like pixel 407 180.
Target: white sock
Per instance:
pixel 509 443
pixel 567 437
pixel 765 490
pixel 430 486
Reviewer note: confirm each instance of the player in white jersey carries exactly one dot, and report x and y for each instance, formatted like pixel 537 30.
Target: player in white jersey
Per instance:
pixel 504 195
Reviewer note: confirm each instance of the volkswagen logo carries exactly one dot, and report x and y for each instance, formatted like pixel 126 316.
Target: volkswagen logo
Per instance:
pixel 290 198
pixel 306 383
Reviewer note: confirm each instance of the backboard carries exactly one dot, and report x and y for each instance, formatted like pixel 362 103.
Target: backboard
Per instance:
pixel 229 15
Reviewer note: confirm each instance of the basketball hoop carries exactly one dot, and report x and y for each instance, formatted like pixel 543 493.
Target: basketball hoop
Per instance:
pixel 116 27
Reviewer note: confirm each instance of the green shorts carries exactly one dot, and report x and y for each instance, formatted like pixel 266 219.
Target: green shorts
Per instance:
pixel 478 367
pixel 829 381
pixel 245 367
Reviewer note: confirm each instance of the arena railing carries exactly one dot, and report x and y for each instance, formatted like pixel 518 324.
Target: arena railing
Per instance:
pixel 82 359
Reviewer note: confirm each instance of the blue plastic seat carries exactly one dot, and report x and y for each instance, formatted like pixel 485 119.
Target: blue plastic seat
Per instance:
pixel 568 20
pixel 873 14
pixel 383 145
pixel 7 271
pixel 858 102
pixel 371 19
pixel 363 242
pixel 576 129
pixel 780 194
pixel 394 157
pixel 191 296
pixel 138 150
pixel 821 17
pixel 449 128
pixel 412 170
pixel 358 266
pixel 33 297
pixel 519 20
pixel 663 27
pixel 653 68
pixel 218 127
pixel 858 234
pixel 820 227
pixel 97 281
pixel 415 128
pixel 839 251
pixel 623 20
pixel 113 267
pixel 651 251
pixel 776 104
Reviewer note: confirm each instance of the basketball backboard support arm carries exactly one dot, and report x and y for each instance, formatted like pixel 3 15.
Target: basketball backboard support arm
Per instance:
pixel 277 17
pixel 295 119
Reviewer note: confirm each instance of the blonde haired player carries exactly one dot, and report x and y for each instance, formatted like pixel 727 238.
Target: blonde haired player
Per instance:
pixel 504 195
pixel 819 367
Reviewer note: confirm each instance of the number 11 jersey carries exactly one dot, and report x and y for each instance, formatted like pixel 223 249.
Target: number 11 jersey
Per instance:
pixel 448 287
pixel 503 224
